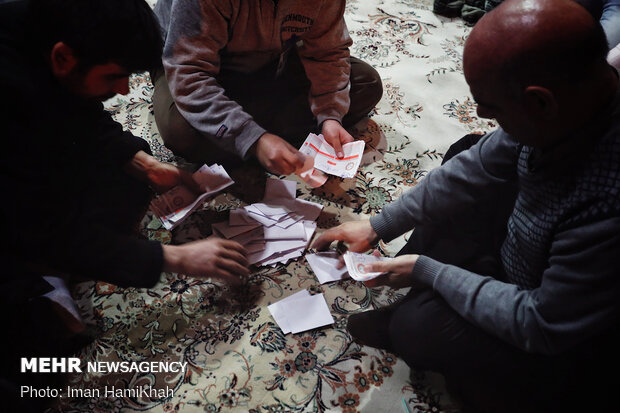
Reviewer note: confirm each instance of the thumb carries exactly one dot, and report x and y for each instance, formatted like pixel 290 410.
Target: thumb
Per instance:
pixel 379 266
pixel 337 147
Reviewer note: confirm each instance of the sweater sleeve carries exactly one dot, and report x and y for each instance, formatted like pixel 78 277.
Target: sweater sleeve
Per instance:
pixel 325 57
pixel 196 33
pixel 453 191
pixel 577 299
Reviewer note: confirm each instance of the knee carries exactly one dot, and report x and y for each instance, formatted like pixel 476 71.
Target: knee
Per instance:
pixel 413 335
pixel 366 83
pixel 366 88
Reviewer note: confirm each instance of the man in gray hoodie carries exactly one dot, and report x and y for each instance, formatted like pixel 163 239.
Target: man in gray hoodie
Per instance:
pixel 253 77
pixel 521 316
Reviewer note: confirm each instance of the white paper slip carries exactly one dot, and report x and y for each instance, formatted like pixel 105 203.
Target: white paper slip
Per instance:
pixel 307 313
pixel 301 312
pixel 325 266
pixel 325 158
pixel 232 231
pixel 311 176
pixel 356 263
pixel 279 189
pixel 278 314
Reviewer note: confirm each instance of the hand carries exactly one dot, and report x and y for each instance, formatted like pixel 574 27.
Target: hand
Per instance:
pixel 211 257
pixel 396 271
pixel 161 176
pixel 359 235
pixel 277 155
pixel 336 135
pixel 165 176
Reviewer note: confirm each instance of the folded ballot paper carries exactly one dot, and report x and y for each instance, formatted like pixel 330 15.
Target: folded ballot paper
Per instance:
pixel 275 230
pixel 325 158
pixel 301 312
pixel 173 206
pixel 325 266
pixel 356 263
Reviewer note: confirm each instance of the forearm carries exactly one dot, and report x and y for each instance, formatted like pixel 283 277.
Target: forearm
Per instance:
pixel 577 297
pixel 454 191
pixel 326 58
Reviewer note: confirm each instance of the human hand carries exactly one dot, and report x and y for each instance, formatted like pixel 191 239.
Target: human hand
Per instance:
pixel 277 155
pixel 359 235
pixel 396 272
pixel 336 135
pixel 165 176
pixel 161 176
pixel 211 257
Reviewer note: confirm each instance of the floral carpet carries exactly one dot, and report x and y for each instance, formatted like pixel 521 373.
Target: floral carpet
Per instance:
pixel 238 358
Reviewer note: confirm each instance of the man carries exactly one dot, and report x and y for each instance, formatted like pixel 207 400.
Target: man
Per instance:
pixel 75 184
pixel 253 78
pixel 521 316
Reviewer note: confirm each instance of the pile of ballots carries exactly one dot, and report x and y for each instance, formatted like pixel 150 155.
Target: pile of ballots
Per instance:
pixel 175 205
pixel 275 230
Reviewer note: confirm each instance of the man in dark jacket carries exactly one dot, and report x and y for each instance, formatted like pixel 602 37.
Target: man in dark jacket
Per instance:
pixel 75 184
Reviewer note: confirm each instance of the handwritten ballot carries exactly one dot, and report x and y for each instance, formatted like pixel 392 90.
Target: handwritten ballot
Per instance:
pixel 175 205
pixel 356 263
pixel 325 159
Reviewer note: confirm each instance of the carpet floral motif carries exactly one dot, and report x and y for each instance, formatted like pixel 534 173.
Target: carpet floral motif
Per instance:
pixel 238 358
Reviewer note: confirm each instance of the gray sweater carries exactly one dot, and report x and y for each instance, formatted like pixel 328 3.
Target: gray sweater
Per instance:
pixel 206 37
pixel 562 252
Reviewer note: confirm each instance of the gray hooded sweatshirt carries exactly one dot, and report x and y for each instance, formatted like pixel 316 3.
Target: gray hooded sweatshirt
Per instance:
pixel 206 37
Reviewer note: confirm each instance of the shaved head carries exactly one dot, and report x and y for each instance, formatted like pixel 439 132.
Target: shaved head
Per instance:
pixel 534 57
pixel 541 41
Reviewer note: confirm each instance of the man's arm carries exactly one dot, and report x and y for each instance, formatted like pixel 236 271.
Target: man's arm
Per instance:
pixel 197 32
pixel 454 191
pixel 451 192
pixel 325 57
pixel 577 299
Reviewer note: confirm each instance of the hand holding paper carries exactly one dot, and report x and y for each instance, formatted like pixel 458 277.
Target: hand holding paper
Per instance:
pixel 326 159
pixel 394 272
pixel 174 206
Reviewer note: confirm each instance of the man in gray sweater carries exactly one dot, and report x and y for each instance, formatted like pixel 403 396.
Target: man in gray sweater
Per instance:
pixel 515 255
pixel 253 77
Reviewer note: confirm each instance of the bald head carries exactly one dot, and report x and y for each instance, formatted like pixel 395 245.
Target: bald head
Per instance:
pixel 529 61
pixel 542 41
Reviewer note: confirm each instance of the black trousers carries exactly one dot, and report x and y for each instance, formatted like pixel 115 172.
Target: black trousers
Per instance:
pixel 488 374
pixel 278 104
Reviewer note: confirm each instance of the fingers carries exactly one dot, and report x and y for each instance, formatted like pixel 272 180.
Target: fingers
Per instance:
pixel 189 182
pixel 379 266
pixel 345 137
pixel 325 239
pixel 335 142
pixel 293 159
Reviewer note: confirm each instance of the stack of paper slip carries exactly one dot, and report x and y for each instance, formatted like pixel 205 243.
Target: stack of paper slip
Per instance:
pixel 356 263
pixel 325 266
pixel 301 312
pixel 275 230
pixel 325 158
pixel 178 203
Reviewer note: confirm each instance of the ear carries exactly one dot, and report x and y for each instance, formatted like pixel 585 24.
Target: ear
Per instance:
pixel 541 102
pixel 62 59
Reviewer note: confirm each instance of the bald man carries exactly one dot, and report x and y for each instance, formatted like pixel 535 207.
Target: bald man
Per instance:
pixel 515 255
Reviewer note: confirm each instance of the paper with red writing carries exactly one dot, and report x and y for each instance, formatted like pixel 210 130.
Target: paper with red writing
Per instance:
pixel 325 158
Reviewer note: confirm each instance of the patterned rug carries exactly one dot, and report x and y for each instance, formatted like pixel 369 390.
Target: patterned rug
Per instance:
pixel 238 358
